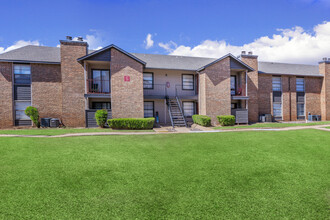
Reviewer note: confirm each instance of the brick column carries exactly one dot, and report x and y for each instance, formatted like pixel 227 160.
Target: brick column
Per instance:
pixel 324 68
pixel 6 95
pixel 253 85
pixel 214 92
pixel 73 83
pixel 126 86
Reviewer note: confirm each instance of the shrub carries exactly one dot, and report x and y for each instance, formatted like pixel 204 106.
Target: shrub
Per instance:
pixel 101 117
pixel 226 120
pixel 131 123
pixel 202 120
pixel 32 112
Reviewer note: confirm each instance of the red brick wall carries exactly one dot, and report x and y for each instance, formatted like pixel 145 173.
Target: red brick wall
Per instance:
pixel 265 94
pixel 126 96
pixel 73 83
pixel 6 103
pixel 253 84
pixel 47 90
pixel 313 87
pixel 215 96
pixel 325 91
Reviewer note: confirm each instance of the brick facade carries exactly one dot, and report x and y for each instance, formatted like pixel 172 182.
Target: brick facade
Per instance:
pixel 73 83
pixel 215 96
pixel 47 90
pixel 6 97
pixel 126 96
pixel 252 84
pixel 324 68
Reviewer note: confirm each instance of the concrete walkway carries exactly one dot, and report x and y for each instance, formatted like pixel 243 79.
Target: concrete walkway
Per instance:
pixel 170 130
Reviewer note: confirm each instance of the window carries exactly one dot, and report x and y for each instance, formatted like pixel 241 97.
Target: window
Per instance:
pixel 277 109
pixel 20 107
pixel 148 80
pixel 233 85
pixel 300 84
pixel 277 84
pixel 301 109
pixel 148 109
pixel 187 82
pixel 101 81
pixel 188 109
pixel 101 105
pixel 22 73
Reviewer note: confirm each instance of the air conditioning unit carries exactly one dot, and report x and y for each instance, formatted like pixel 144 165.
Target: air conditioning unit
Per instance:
pixel 54 123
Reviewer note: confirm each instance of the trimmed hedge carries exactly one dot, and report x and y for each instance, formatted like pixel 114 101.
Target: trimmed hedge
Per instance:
pixel 202 120
pixel 131 123
pixel 226 120
pixel 101 117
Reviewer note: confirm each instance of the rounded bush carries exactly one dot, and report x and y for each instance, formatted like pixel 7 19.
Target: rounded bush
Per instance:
pixel 101 117
pixel 226 120
pixel 202 120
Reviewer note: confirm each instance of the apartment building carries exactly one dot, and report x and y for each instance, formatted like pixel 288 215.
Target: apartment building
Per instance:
pixel 72 82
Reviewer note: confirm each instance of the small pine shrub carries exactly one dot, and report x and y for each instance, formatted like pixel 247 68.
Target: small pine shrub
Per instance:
pixel 33 114
pixel 101 117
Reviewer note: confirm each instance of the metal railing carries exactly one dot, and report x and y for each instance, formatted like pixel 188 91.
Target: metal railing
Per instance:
pixel 179 92
pixel 98 86
pixel 155 90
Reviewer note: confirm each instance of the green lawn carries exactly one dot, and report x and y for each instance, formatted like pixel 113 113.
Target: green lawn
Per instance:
pixel 236 175
pixel 274 125
pixel 59 131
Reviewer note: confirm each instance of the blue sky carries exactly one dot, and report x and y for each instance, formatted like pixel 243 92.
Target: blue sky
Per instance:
pixel 195 28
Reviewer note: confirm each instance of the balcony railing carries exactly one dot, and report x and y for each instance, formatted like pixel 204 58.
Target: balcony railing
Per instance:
pixel 155 90
pixel 179 92
pixel 98 86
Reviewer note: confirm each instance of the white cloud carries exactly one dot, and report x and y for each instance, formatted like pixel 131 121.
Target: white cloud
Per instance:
pixel 169 46
pixel 18 44
pixel 95 41
pixel 293 45
pixel 148 41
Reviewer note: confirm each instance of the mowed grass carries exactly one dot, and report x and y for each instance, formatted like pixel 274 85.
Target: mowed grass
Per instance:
pixel 274 125
pixel 238 175
pixel 60 131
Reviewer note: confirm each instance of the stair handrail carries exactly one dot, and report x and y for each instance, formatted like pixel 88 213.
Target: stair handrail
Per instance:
pixel 178 101
pixel 169 110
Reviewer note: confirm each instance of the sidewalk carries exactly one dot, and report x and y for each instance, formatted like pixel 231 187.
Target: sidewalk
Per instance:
pixel 171 130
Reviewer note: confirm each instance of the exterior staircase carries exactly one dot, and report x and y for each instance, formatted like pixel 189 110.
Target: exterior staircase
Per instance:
pixel 175 112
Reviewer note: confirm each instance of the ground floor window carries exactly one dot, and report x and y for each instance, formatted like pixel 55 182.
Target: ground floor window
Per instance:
pixel 101 105
pixel 188 109
pixel 20 107
pixel 301 110
pixel 277 109
pixel 148 109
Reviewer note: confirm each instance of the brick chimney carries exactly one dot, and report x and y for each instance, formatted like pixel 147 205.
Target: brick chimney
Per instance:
pixel 73 82
pixel 324 69
pixel 252 84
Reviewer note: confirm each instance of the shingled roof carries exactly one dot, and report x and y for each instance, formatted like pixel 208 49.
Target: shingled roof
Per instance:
pixel 42 54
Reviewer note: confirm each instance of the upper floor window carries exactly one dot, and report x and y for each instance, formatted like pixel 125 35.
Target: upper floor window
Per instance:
pixel 233 85
pixel 300 84
pixel 277 84
pixel 100 82
pixel 148 80
pixel 22 73
pixel 188 81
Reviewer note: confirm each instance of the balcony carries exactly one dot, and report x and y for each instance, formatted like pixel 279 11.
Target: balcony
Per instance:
pixel 185 93
pixel 156 91
pixel 98 88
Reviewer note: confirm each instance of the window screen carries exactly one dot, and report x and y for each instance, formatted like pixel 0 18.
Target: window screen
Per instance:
pixel 20 107
pixel 188 108
pixel 277 84
pixel 148 80
pixel 277 109
pixel 188 82
pixel 300 84
pixel 301 109
pixel 22 73
pixel 148 109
